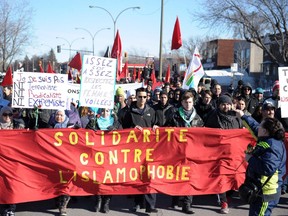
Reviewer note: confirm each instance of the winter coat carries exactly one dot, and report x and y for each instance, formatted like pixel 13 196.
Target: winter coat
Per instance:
pixel 217 119
pixel 269 159
pixel 163 113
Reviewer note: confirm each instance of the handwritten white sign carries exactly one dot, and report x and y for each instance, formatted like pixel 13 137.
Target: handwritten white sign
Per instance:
pixel 98 82
pixel 43 90
pixel 283 83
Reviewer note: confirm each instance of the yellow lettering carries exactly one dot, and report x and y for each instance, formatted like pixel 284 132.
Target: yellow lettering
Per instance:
pixel 95 177
pixel 83 158
pixel 142 170
pixel 59 141
pixel 61 177
pixel 88 143
pixel 182 135
pixel 149 154
pixel 132 135
pixel 85 176
pixel 177 172
pixel 137 154
pixel 114 140
pixel 122 173
pixel 185 173
pixel 169 133
pixel 151 171
pixel 157 135
pixel 160 171
pixel 73 138
pixel 146 134
pixel 108 176
pixel 113 158
pixel 99 158
pixel 125 152
pixel 169 172
pixel 133 174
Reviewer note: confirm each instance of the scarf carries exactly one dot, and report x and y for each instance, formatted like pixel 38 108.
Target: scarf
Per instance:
pixel 187 116
pixel 104 123
pixel 225 121
pixel 62 124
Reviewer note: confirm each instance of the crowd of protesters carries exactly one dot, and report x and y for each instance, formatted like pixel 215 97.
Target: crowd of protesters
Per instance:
pixel 165 106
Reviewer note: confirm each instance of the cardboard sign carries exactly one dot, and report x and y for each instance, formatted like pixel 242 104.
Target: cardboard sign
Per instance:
pixel 283 83
pixel 98 82
pixel 42 90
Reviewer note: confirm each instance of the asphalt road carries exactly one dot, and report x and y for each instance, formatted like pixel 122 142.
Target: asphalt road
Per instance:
pixel 120 205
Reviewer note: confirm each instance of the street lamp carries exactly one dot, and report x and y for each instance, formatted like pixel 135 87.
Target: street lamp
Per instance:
pixel 114 20
pixel 93 36
pixel 70 43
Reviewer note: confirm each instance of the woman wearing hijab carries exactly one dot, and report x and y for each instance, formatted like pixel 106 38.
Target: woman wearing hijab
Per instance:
pixel 105 121
pixel 8 123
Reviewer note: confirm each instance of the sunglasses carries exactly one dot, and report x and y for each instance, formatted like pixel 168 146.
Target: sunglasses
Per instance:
pixel 142 97
pixel 7 114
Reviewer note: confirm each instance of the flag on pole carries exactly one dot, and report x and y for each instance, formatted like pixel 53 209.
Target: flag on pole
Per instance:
pixel 40 67
pixel 124 72
pixel 176 38
pixel 7 80
pixel 134 74
pixel 194 72
pixel 139 75
pixel 107 53
pixel 116 52
pixel 49 68
pixel 168 74
pixel 76 62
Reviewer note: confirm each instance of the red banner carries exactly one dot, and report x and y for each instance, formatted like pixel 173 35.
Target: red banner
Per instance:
pixel 42 164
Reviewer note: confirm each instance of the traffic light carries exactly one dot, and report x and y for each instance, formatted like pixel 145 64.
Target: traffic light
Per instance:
pixel 59 49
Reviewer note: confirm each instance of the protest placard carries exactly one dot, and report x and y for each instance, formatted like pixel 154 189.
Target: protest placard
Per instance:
pixel 73 91
pixel 97 82
pixel 42 90
pixel 283 83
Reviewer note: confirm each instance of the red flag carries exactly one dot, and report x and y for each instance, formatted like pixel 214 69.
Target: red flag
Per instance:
pixel 124 72
pixel 49 68
pixel 139 75
pixel 176 38
pixel 7 80
pixel 76 62
pixel 168 72
pixel 40 67
pixel 134 74
pixel 117 53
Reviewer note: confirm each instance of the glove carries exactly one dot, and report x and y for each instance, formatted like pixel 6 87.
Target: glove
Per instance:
pixel 247 157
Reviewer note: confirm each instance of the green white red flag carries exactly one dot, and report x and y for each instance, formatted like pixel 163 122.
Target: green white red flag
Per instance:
pixel 194 72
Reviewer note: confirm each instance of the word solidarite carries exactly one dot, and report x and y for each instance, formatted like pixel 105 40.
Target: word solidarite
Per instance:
pixel 115 137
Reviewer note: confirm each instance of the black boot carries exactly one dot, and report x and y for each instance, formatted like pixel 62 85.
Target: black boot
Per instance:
pixel 63 202
pixel 106 204
pixel 98 203
pixel 187 210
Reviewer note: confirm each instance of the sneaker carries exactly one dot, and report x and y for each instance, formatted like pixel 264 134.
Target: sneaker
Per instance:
pixel 224 208
pixel 9 213
pixel 62 211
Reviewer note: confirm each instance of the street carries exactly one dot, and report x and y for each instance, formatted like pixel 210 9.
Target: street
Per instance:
pixel 120 205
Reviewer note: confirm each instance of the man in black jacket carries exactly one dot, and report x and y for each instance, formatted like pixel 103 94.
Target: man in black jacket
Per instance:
pixel 141 115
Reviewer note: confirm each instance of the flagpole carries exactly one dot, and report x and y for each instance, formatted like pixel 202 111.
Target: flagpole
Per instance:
pixel 160 48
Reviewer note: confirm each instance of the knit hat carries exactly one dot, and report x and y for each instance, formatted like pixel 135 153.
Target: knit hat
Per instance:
pixel 120 91
pixel 276 85
pixel 224 99
pixel 240 82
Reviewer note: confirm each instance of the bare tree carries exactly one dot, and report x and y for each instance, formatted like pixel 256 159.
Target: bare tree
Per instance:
pixel 15 24
pixel 254 20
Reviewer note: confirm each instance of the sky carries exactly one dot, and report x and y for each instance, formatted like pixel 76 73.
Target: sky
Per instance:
pixel 139 29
